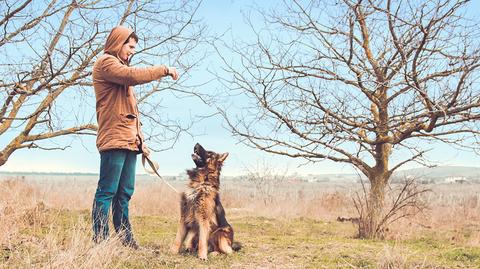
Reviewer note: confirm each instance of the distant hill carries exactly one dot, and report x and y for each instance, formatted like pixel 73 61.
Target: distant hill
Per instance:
pixel 440 174
pixel 442 171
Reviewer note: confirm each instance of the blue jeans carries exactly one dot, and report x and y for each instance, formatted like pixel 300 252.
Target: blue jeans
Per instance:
pixel 115 188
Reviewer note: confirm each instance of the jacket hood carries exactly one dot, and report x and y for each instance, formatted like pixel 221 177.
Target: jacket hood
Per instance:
pixel 116 39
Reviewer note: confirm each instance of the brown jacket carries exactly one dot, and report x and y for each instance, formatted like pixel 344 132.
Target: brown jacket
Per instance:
pixel 117 111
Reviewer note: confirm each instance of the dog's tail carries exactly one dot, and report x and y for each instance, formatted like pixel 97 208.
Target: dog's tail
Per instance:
pixel 236 246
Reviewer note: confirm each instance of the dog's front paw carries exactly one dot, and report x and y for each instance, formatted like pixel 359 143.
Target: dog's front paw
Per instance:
pixel 202 254
pixel 174 249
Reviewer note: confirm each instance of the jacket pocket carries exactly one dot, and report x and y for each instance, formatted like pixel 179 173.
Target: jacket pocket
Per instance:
pixel 128 123
pixel 131 116
pixel 128 119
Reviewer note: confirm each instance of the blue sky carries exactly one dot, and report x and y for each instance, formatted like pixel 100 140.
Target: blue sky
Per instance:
pixel 220 16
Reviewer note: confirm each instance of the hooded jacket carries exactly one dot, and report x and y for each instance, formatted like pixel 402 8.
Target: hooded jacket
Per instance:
pixel 116 105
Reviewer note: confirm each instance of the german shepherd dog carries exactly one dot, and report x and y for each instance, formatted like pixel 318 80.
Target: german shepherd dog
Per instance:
pixel 203 225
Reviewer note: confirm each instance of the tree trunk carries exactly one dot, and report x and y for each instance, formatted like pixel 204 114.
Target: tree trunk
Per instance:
pixel 370 224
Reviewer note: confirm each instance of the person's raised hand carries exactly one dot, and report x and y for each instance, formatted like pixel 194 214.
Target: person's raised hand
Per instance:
pixel 172 71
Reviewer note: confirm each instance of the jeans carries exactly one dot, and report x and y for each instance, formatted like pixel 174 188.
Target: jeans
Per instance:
pixel 115 188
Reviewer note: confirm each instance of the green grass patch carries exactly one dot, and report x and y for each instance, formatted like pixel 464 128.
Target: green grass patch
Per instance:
pixel 283 243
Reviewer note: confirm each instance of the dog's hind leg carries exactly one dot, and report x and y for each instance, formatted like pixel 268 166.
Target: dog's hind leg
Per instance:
pixel 181 232
pixel 224 245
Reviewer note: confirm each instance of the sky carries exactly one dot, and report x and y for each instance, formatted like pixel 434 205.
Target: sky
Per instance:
pixel 220 16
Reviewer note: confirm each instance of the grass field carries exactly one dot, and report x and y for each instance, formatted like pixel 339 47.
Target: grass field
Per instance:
pixel 48 226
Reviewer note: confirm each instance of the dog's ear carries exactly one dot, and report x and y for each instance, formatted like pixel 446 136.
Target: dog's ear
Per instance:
pixel 223 157
pixel 200 151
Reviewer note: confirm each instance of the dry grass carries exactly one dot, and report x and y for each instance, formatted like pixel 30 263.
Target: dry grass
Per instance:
pixel 47 224
pixel 24 216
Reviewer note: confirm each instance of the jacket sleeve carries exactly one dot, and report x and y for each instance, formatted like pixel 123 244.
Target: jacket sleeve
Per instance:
pixel 114 71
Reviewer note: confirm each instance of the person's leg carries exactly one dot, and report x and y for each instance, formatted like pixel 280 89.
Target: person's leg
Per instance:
pixel 111 164
pixel 121 200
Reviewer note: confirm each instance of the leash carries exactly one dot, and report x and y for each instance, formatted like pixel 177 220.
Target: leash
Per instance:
pixel 154 166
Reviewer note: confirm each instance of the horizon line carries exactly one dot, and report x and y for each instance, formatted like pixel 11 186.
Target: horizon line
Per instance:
pixel 143 174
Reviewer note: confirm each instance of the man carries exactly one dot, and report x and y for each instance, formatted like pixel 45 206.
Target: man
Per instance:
pixel 119 137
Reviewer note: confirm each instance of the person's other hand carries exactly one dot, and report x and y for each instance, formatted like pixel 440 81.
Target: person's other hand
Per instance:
pixel 172 71
pixel 145 150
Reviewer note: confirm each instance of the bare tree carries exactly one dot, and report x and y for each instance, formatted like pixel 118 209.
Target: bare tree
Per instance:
pixel 265 178
pixel 365 82
pixel 403 199
pixel 48 49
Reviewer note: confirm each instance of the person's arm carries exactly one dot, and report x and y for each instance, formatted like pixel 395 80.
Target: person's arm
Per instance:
pixel 112 70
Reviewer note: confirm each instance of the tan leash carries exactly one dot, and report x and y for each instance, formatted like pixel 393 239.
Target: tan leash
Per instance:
pixel 154 165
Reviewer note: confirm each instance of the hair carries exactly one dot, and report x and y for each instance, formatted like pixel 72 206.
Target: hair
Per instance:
pixel 132 35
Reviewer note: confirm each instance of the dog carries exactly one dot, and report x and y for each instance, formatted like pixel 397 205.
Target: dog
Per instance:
pixel 203 225
pixel 224 230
